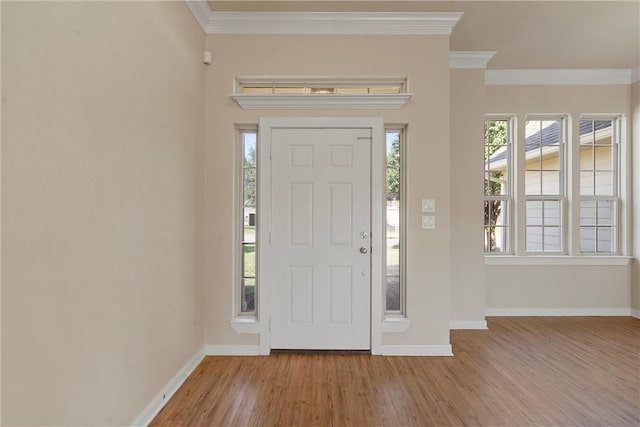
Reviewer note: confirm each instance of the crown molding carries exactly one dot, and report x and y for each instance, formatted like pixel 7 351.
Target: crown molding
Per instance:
pixel 468 59
pixel 321 102
pixel 559 77
pixel 437 23
pixel 201 11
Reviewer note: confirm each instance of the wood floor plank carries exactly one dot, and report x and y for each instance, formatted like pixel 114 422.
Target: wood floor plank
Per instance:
pixel 525 371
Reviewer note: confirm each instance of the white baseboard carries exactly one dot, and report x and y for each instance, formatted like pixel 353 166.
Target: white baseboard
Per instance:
pixel 557 312
pixel 232 350
pixel 417 350
pixel 635 313
pixel 156 405
pixel 468 324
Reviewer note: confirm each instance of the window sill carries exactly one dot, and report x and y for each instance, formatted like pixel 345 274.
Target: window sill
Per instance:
pixel 245 325
pixel 395 324
pixel 321 102
pixel 593 260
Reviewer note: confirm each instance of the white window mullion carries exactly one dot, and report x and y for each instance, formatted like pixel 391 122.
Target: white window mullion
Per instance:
pixel 572 166
pixel 519 187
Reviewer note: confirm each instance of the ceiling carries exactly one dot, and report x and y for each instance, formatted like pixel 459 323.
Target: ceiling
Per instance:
pixel 525 34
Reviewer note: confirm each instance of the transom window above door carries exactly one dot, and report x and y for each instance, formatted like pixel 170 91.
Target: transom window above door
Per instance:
pixel 321 86
pixel 321 93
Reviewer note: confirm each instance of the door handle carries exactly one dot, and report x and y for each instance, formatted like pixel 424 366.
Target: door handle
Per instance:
pixel 364 250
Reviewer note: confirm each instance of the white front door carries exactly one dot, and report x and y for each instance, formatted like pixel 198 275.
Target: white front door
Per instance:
pixel 320 238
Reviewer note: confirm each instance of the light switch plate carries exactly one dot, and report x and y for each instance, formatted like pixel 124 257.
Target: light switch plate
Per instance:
pixel 428 205
pixel 429 222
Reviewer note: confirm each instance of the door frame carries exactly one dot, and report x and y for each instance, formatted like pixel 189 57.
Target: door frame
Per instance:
pixel 264 259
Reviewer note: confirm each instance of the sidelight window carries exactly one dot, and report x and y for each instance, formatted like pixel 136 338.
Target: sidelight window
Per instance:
pixel 394 230
pixel 248 248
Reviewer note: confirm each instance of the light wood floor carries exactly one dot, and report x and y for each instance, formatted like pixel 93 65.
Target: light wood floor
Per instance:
pixel 527 371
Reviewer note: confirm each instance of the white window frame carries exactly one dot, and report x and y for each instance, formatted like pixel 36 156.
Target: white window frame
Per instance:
pixel 402 212
pixel 320 101
pixel 571 256
pixel 561 197
pixel 307 83
pixel 243 322
pixel 617 146
pixel 509 198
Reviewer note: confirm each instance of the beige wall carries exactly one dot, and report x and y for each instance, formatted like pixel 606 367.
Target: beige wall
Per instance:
pixel 635 263
pixel 540 287
pixel 557 287
pixel 424 60
pixel 101 134
pixel 467 257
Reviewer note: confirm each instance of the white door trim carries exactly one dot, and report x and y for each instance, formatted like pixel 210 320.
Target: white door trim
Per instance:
pixel 376 125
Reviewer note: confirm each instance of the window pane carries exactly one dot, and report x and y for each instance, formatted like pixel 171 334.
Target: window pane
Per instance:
pixel 384 90
pixel 249 260
pixel 552 212
pixel 532 131
pixel 604 183
pixel 587 239
pixel 586 129
pixel 247 295
pixel 322 90
pixel 534 239
pixel 289 90
pixel 532 182
pixel 586 158
pixel 249 150
pixel 249 225
pixel 534 212
pixel 551 183
pixel 586 183
pixel 495 184
pixel 393 293
pixel 605 239
pixel 552 239
pixel 550 132
pixel 353 90
pixel 393 232
pixel 603 131
pixel 496 225
pixel 587 212
pixel 249 187
pixel 257 90
pixel 604 158
pixel 606 211
pixel 247 264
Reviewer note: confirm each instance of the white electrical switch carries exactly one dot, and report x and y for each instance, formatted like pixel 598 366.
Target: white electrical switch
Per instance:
pixel 428 205
pixel 429 222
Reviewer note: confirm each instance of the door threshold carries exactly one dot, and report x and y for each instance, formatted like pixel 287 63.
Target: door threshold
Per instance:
pixel 321 352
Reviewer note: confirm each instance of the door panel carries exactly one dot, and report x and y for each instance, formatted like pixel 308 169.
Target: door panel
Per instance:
pixel 321 205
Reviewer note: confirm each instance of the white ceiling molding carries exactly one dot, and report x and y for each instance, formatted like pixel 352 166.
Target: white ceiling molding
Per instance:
pixel 635 74
pixel 437 23
pixel 468 59
pixel 559 77
pixel 201 12
pixel 321 101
